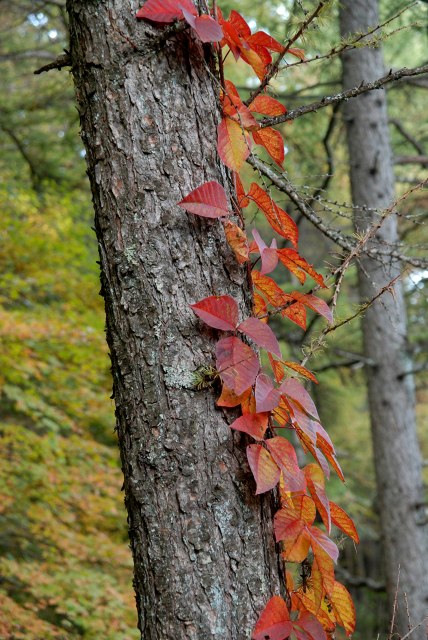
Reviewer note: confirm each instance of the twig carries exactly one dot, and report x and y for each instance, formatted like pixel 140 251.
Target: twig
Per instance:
pixel 59 63
pixel 392 76
pixel 394 608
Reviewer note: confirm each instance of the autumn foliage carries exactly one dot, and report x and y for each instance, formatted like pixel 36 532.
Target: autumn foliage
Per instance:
pixel 269 403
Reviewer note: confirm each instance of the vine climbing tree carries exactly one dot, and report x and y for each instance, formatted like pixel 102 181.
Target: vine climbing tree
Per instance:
pixel 188 304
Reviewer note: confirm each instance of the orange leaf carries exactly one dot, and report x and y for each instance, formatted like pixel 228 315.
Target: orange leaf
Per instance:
pixel 272 141
pixel 302 370
pixel 243 201
pixel 259 307
pixel 229 398
pixel 322 574
pixel 277 368
pixel 255 61
pixel 343 608
pixel 265 471
pixel 278 219
pixel 293 389
pixel 330 454
pixel 298 53
pixel 267 106
pixel 274 622
pixel 237 241
pixel 343 522
pixel 233 145
pixel 314 303
pixel 268 287
pixel 282 413
pixel 298 265
pixel 316 485
pixel 236 109
pixel 296 313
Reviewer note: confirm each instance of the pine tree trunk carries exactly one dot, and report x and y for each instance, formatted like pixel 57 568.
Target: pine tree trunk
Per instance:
pixel 391 394
pixel 204 556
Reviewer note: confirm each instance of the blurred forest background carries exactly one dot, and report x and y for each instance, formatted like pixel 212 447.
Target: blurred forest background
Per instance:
pixel 65 566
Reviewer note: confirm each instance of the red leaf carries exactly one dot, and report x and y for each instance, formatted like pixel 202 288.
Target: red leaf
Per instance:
pixel 296 391
pixel 219 312
pixel 206 27
pixel 327 545
pixel 314 303
pixel 255 424
pixel 298 265
pixel 262 39
pixel 166 10
pixel 278 219
pixel 274 622
pixel 237 364
pixel 267 106
pixel 233 145
pixel 261 334
pixel 239 23
pixel 269 255
pixel 272 141
pixel 267 397
pixel 312 628
pixel 237 241
pixel 209 201
pixel 343 522
pixel 265 471
pixel 285 457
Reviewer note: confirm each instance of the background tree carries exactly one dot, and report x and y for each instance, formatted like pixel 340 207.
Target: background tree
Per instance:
pixel 389 376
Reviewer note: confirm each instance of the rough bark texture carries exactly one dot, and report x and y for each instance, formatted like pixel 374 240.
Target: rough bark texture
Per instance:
pixel 391 396
pixel 205 560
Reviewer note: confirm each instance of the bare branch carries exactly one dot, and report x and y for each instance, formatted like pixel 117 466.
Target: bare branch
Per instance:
pixel 422 160
pixel 398 125
pixel 62 61
pixel 392 76
pixel 336 235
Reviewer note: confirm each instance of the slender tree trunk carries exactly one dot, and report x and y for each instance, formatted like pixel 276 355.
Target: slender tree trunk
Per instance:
pixel 391 395
pixel 204 556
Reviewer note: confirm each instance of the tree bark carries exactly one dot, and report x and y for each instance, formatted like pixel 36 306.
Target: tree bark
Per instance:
pixel 391 395
pixel 204 555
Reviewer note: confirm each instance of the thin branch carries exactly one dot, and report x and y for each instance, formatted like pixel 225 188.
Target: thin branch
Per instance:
pixel 392 76
pixel 357 38
pixel 342 240
pixel 422 160
pixel 406 135
pixel 59 63
pixel 275 66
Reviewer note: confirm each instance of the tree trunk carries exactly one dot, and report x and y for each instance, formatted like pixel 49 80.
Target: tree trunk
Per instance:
pixel 391 394
pixel 204 556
